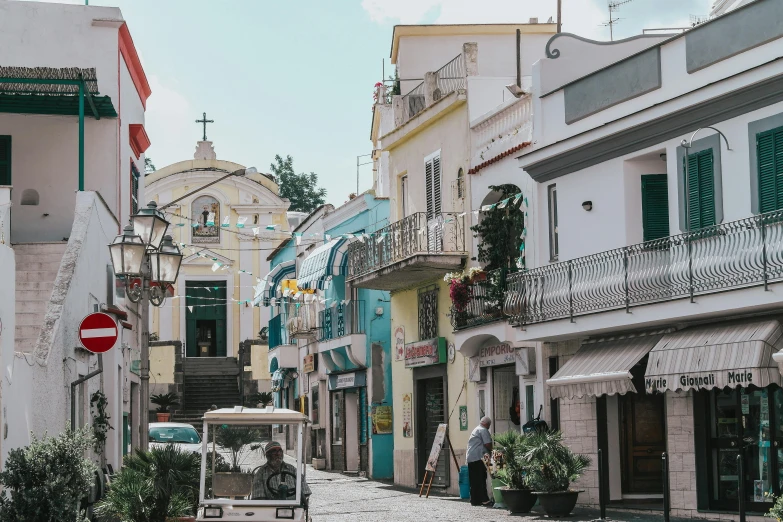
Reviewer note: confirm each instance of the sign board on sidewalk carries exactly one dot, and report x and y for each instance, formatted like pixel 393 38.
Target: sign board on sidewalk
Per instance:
pixel 437 444
pixel 98 332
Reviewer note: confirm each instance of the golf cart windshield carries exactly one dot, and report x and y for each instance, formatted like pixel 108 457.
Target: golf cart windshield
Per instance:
pixel 180 435
pixel 253 463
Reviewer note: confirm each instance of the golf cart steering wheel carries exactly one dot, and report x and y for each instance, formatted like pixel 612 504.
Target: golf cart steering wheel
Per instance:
pixel 281 493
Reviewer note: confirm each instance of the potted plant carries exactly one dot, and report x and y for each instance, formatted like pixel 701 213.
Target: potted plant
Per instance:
pixel 552 469
pixel 164 401
pixel 514 472
pixel 262 399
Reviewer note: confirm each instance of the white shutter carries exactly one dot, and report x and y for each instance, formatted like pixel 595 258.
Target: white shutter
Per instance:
pixel 429 187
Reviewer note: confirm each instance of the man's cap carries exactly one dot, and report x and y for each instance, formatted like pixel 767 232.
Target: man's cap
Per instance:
pixel 272 445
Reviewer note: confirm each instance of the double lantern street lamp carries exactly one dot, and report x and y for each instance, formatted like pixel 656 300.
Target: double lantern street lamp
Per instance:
pixel 149 261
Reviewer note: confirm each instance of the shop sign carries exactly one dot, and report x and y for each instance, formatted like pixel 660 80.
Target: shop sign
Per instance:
pixel 381 420
pixel 463 418
pixel 309 363
pixel 407 426
pixel 399 343
pixel 347 380
pixel 496 354
pixel 425 353
pixel 708 380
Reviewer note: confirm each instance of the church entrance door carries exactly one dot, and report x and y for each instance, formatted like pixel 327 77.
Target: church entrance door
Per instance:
pixel 206 320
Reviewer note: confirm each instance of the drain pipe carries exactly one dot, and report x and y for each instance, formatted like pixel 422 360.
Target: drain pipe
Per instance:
pixel 76 383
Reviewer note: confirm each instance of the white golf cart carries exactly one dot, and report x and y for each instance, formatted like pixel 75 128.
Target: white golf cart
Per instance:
pixel 252 466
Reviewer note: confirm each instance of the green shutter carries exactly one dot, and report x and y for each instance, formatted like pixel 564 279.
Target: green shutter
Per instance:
pixel 5 160
pixel 769 152
pixel 655 206
pixel 701 190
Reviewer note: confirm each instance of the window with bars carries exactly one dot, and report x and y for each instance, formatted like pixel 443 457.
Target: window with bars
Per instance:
pixel 655 206
pixel 5 160
pixel 428 313
pixel 769 155
pixel 134 192
pixel 700 189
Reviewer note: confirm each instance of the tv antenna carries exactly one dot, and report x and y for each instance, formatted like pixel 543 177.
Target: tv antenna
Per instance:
pixel 614 5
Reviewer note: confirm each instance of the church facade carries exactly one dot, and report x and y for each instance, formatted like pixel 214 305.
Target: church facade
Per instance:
pixel 208 330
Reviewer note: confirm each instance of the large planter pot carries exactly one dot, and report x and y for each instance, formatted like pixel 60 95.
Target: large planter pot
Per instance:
pixel 518 500
pixel 559 503
pixel 319 463
pixel 497 484
pixel 163 417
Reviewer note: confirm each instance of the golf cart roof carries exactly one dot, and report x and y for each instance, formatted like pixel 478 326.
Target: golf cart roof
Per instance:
pixel 250 415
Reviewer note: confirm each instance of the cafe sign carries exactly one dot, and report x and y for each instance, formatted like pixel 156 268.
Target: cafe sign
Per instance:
pixel 309 363
pixel 425 353
pixel 496 354
pixel 347 380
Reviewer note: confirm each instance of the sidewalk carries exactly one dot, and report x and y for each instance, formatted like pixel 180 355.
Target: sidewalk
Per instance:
pixel 337 498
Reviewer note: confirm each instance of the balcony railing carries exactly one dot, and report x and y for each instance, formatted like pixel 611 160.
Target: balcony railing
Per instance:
pixel 341 320
pixel 743 253
pixel 417 234
pixel 451 77
pixel 414 102
pixel 485 302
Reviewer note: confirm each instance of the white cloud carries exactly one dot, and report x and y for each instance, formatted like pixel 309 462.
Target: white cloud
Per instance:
pixel 170 124
pixel 582 17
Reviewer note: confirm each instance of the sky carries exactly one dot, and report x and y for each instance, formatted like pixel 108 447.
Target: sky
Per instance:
pixel 296 76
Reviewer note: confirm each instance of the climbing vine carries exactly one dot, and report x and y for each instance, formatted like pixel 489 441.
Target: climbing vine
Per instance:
pixel 500 232
pixel 100 419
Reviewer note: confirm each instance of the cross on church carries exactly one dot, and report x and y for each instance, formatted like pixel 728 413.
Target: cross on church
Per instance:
pixel 205 121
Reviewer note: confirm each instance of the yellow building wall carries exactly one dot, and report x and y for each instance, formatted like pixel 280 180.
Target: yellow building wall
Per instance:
pixel 404 311
pixel 162 364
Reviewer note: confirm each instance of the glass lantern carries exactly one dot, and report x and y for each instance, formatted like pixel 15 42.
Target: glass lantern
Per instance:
pixel 127 253
pixel 150 225
pixel 165 262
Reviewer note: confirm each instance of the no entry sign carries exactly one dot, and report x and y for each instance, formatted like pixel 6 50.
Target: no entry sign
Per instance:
pixel 98 332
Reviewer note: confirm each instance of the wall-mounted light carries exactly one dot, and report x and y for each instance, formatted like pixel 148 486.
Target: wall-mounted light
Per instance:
pixel 587 205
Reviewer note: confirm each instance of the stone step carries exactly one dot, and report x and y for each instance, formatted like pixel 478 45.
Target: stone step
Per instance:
pixel 33 295
pixel 32 276
pixel 30 318
pixel 35 285
pixel 23 331
pixel 39 265
pixel 31 305
pixel 22 260
pixel 40 248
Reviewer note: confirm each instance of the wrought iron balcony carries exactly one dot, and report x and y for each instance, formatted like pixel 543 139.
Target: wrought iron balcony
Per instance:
pixel 409 251
pixel 484 304
pixel 738 254
pixel 341 320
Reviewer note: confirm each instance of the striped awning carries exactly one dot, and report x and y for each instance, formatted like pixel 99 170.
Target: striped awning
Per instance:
pixel 323 263
pixel 601 367
pixel 266 290
pixel 716 356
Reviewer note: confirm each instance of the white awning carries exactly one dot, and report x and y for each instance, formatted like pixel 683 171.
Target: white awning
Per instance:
pixel 601 367
pixel 717 356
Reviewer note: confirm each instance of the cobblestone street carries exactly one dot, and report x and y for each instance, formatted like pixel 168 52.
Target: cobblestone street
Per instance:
pixel 342 498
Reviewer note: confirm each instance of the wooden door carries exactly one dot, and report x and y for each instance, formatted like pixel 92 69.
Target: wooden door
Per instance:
pixel 644 440
pixel 431 405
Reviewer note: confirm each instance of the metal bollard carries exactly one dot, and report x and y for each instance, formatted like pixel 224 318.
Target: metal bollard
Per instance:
pixel 666 493
pixel 741 486
pixel 601 492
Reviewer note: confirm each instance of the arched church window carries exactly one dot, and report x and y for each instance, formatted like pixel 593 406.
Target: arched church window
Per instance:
pixel 205 213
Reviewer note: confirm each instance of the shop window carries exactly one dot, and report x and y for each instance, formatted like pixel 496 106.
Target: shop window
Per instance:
pixel 530 401
pixel 428 313
pixel 746 422
pixel 314 404
pixel 337 417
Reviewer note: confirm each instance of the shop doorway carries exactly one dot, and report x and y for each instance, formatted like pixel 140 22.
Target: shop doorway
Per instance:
pixel 642 439
pixel 351 430
pixel 505 399
pixel 430 411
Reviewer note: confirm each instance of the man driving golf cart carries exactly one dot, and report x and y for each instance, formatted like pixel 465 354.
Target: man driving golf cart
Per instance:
pixel 253 465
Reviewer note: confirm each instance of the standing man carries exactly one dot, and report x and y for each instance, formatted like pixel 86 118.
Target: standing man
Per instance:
pixel 479 444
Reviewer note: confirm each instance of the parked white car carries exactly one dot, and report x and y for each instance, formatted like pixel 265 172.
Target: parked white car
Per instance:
pixel 184 436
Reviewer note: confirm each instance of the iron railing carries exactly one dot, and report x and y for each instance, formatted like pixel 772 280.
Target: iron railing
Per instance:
pixel 743 253
pixel 346 318
pixel 419 233
pixel 451 77
pixel 414 102
pixel 485 301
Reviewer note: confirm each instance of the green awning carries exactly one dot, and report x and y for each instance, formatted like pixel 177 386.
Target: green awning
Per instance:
pixel 53 104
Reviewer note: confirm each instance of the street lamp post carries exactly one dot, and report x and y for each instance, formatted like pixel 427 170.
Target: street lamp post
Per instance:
pixel 149 261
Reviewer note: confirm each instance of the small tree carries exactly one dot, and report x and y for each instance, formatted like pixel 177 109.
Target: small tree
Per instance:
pixel 500 232
pixel 48 480
pixel 238 440
pixel 263 398
pixel 301 189
pixel 148 165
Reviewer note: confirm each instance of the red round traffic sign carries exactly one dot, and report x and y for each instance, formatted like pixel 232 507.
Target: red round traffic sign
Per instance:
pixel 98 332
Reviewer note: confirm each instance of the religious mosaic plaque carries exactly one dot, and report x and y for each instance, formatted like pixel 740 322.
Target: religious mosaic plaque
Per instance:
pixel 205 213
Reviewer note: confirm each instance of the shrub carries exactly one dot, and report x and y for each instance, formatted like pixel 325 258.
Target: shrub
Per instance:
pixel 513 446
pixel 47 480
pixel 553 466
pixel 263 398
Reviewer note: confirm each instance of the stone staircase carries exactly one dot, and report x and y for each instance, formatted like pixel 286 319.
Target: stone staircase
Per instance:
pixel 208 381
pixel 37 265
